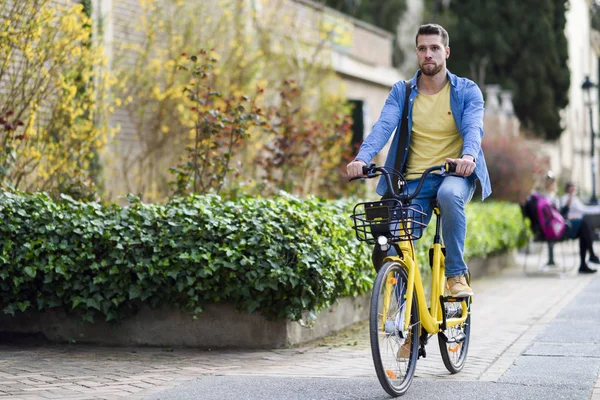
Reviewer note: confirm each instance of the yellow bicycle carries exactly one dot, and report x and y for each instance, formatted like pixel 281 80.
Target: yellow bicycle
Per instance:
pixel 401 322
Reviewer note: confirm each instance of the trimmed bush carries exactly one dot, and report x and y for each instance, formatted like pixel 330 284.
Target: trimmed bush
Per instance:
pixel 280 256
pixel 515 165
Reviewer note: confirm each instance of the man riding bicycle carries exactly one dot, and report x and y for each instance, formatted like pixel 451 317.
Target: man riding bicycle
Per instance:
pixel 445 124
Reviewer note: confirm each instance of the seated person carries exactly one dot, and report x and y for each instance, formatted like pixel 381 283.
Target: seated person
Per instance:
pixel 577 209
pixel 576 227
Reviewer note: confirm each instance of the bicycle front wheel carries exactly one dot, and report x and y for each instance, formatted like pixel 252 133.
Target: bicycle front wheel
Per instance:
pixel 395 350
pixel 455 345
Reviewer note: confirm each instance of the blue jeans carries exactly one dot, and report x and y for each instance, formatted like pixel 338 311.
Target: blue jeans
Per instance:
pixel 452 194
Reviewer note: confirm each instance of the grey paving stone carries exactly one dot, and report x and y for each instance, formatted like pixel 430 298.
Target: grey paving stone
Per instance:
pixel 564 349
pixel 571 331
pixel 582 309
pixel 578 373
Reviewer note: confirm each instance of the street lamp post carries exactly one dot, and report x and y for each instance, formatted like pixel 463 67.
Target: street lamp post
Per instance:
pixel 586 87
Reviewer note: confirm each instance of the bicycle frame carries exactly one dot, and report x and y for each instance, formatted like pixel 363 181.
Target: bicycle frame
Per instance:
pixel 431 319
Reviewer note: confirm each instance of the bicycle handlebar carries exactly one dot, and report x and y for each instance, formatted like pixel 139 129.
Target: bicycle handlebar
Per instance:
pixel 373 171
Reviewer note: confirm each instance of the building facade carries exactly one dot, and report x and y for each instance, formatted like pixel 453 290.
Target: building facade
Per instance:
pixel 360 54
pixel 571 154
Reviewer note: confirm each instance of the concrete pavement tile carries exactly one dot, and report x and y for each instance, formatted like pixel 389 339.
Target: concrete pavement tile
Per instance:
pixel 31 382
pixel 89 384
pixel 20 376
pixel 62 392
pixel 12 388
pixel 126 380
pixel 33 397
pixel 571 331
pixel 32 390
pixel 76 377
pixel 81 390
pixel 42 396
pixel 59 385
pixel 144 385
pixel 576 372
pixel 119 394
pixel 112 377
pixel 54 395
pixel 160 370
pixel 564 349
pixel 584 309
pixel 132 389
pixel 44 378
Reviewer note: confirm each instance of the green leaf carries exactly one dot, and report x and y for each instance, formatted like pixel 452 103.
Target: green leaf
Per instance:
pixel 23 305
pixel 30 271
pixel 173 274
pixel 93 303
pixel 134 292
pixel 77 301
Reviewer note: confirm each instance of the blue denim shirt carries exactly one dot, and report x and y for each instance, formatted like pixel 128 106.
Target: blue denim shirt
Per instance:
pixel 466 102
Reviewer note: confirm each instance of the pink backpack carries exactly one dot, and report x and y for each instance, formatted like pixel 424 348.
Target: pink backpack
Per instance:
pixel 550 222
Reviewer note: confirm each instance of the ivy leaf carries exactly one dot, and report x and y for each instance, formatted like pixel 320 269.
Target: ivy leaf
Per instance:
pixel 30 271
pixel 77 301
pixel 23 305
pixel 92 303
pixel 173 274
pixel 134 292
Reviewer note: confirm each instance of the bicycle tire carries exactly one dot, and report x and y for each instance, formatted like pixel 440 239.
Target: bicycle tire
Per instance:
pixel 454 355
pixel 386 339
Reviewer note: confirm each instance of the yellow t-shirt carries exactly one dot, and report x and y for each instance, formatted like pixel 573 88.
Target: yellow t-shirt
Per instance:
pixel 434 136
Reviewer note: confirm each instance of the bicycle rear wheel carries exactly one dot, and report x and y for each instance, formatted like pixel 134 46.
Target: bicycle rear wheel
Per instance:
pixel 454 351
pixel 395 352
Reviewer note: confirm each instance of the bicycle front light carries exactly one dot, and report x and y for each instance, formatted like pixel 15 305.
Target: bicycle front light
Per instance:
pixel 382 241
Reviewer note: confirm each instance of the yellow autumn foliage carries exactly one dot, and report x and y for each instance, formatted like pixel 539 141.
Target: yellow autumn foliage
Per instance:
pixel 52 85
pixel 256 44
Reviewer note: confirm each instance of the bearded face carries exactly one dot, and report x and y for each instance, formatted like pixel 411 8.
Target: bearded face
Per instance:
pixel 431 54
pixel 430 68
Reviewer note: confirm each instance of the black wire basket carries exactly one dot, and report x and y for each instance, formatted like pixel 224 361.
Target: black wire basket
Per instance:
pixel 389 218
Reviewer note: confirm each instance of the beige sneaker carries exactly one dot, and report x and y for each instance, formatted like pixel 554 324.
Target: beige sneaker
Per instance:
pixel 404 350
pixel 458 287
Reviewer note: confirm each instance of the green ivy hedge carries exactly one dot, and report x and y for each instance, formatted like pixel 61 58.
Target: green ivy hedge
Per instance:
pixel 279 256
pixel 492 228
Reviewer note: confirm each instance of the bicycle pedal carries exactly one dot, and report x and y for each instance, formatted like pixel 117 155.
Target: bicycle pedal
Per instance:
pixel 460 338
pixel 450 299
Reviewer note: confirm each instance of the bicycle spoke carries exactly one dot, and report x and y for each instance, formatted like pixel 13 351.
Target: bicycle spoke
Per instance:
pixel 454 351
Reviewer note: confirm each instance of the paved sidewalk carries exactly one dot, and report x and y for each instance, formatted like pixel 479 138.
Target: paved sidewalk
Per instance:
pixel 509 311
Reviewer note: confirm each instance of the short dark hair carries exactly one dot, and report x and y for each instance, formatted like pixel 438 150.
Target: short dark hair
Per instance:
pixel 568 186
pixel 433 29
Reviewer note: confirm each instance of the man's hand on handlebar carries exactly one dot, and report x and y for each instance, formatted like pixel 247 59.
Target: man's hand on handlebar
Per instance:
pixel 355 169
pixel 465 166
